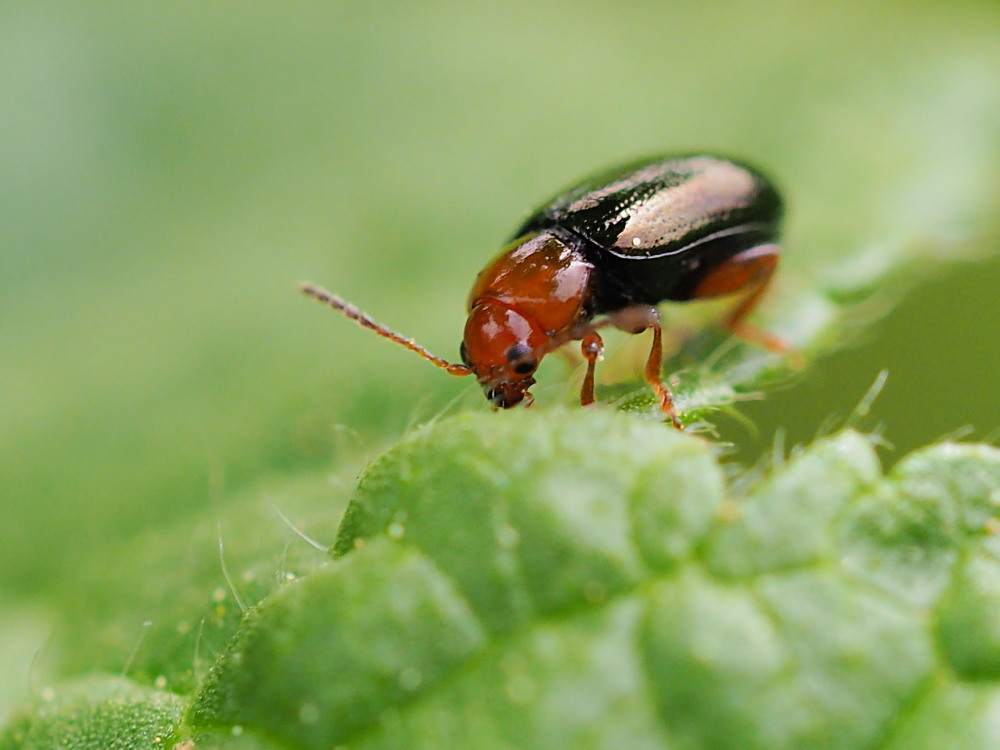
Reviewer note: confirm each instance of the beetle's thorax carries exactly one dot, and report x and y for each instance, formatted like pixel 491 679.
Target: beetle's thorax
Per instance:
pixel 521 306
pixel 543 276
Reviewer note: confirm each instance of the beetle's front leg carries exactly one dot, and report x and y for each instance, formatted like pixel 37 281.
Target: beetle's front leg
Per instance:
pixel 592 347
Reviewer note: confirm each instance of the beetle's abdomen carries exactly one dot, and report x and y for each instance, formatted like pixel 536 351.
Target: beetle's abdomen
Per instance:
pixel 626 281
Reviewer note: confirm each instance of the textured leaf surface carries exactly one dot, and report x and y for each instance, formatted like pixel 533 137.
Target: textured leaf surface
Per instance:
pixel 98 714
pixel 516 581
pixel 165 621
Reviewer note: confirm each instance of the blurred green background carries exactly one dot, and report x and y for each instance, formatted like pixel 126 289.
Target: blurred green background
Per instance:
pixel 170 171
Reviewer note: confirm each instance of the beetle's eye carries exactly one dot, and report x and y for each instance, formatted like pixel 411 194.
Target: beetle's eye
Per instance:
pixel 526 367
pixel 463 352
pixel 516 352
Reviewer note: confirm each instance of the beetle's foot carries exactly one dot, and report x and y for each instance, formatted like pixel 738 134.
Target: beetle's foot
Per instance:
pixel 667 404
pixel 675 421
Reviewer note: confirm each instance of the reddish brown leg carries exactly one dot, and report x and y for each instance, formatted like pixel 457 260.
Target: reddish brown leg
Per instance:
pixel 635 319
pixel 591 346
pixel 752 269
pixel 653 366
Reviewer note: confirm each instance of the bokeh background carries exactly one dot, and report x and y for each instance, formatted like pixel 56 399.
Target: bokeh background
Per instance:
pixel 169 172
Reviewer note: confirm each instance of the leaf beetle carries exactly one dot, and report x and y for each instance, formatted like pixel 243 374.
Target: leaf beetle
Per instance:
pixel 605 253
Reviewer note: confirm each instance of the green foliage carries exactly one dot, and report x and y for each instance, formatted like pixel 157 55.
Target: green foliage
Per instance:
pixel 584 579
pixel 165 620
pixel 98 714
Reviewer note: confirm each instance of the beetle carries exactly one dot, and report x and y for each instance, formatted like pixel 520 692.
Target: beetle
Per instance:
pixel 605 253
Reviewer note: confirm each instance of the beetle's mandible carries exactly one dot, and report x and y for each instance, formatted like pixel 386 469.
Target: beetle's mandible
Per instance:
pixel 605 253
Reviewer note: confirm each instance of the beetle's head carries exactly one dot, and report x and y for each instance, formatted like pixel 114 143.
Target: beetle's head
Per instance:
pixel 503 348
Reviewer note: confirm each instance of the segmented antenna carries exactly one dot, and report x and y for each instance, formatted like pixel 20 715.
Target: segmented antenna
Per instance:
pixel 366 321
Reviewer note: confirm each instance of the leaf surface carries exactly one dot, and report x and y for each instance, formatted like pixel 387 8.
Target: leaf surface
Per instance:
pixel 516 580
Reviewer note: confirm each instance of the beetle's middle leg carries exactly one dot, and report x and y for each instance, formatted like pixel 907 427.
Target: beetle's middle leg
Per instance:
pixel 750 270
pixel 637 319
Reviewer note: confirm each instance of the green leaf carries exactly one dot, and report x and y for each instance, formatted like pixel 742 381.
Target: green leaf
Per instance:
pixel 97 713
pixel 583 579
pixel 165 619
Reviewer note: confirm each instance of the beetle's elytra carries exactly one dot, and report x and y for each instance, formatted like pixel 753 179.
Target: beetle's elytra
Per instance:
pixel 605 253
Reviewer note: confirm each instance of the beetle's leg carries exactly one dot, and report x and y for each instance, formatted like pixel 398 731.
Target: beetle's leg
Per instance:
pixel 653 366
pixel 637 319
pixel 752 269
pixel 591 347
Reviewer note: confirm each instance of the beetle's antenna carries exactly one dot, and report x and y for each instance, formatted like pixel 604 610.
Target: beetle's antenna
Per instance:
pixel 367 322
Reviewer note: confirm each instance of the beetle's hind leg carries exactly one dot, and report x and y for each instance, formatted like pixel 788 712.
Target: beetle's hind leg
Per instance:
pixel 751 270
